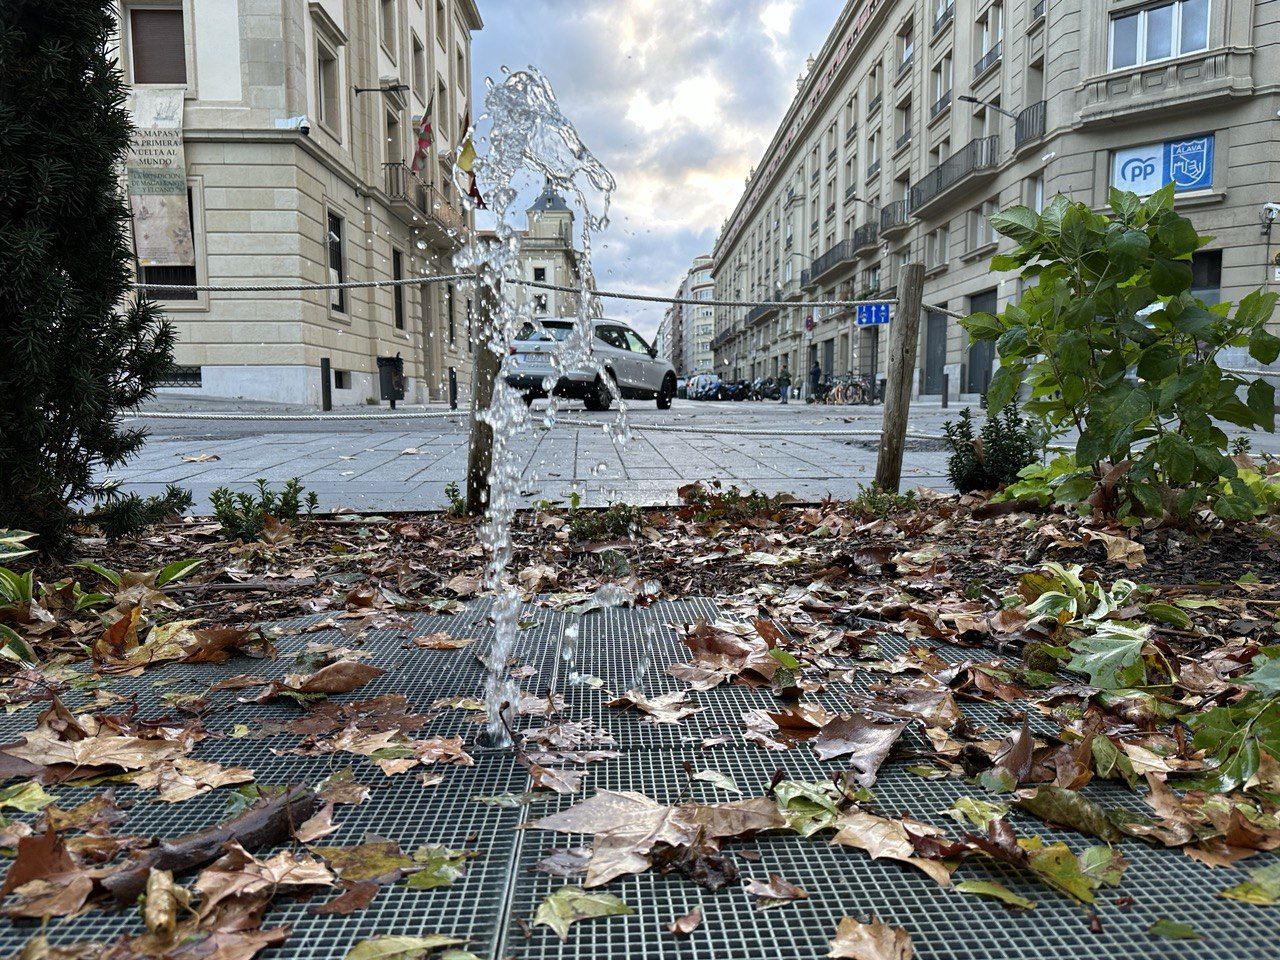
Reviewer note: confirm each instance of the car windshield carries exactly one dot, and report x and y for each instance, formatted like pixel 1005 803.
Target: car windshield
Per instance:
pixel 558 330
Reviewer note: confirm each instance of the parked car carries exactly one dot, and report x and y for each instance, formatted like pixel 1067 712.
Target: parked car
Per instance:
pixel 631 363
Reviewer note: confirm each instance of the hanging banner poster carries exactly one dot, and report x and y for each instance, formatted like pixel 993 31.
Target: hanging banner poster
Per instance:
pixel 156 168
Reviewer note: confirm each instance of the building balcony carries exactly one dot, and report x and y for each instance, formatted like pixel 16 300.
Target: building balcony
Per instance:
pixel 1029 126
pixel 865 238
pixel 850 134
pixel 974 163
pixel 831 156
pixel 446 224
pixel 895 217
pixel 403 187
pixel 906 62
pixel 874 104
pixel 989 60
pixel 944 18
pixel 850 192
pixel 831 210
pixel 757 314
pixel 940 105
pixel 903 139
pixel 838 256
pixel 873 168
pixel 790 290
pixel 1037 13
pixel 1197 80
pixel 794 195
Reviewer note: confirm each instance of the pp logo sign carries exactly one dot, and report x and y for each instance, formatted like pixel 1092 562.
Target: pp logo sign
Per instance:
pixel 1140 169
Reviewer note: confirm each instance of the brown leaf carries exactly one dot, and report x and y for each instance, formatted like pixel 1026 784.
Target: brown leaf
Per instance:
pixel 354 896
pixel 868 742
pixel 565 862
pixel 774 892
pixel 870 941
pixel 341 677
pixel 667 708
pixel 39 857
pixel 320 825
pixel 60 897
pixel 887 839
pixel 683 926
pixel 442 641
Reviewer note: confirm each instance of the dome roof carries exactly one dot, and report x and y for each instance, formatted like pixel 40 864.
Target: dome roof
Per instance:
pixel 549 200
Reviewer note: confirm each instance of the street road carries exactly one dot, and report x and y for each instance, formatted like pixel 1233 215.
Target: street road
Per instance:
pixel 376 465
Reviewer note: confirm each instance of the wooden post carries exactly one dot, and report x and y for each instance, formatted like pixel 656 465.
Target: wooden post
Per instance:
pixel 904 333
pixel 484 371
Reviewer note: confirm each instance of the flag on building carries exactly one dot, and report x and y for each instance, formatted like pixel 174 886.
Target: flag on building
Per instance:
pixel 467 161
pixel 467 155
pixel 424 140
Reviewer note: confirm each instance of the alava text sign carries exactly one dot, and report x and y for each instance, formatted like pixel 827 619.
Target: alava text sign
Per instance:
pixel 1187 164
pixel 871 314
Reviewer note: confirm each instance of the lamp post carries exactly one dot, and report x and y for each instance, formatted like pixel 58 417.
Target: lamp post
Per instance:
pixel 986 103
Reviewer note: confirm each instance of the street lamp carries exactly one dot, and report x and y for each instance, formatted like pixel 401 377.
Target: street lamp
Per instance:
pixel 986 103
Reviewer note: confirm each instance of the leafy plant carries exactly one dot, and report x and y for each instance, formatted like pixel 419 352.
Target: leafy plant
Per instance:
pixel 619 521
pixel 1234 738
pixel 243 514
pixel 1113 345
pixel 79 350
pixel 122 516
pixel 457 502
pixel 13 544
pixel 872 501
pixel 704 502
pixel 993 457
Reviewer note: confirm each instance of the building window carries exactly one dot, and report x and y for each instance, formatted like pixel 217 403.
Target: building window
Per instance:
pixel 448 312
pixel 1158 33
pixel 440 115
pixel 990 30
pixel 419 68
pixel 906 43
pixel 387 26
pixel 342 379
pixel 328 88
pixel 981 232
pixel 441 23
pixel 1206 275
pixel 540 304
pixel 397 292
pixel 395 142
pixel 1035 193
pixel 540 274
pixel 158 46
pixel 936 247
pixel 337 264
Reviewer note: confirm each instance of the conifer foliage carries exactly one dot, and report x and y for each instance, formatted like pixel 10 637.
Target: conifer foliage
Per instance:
pixel 77 348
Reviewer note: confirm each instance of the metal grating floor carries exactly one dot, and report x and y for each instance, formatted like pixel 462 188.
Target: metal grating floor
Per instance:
pixel 494 901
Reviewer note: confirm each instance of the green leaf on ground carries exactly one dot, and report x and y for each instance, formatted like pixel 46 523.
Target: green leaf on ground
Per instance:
pixel 975 811
pixel 443 866
pixel 1173 930
pixel 568 905
pixel 1066 808
pixel 997 891
pixel 27 797
pixel 717 780
pixel 1262 887
pixel 400 948
pixel 1112 657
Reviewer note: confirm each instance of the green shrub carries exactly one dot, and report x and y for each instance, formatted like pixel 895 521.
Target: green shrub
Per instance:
pixel 992 458
pixel 457 502
pixel 123 516
pixel 243 515
pixel 619 521
pixel 873 501
pixel 1113 345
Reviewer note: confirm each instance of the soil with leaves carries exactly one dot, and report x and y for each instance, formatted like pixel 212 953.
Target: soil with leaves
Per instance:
pixel 1146 659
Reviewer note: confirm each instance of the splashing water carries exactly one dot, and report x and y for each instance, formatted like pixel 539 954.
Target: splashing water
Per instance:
pixel 530 141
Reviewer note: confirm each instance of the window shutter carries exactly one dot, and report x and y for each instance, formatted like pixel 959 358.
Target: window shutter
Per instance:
pixel 158 49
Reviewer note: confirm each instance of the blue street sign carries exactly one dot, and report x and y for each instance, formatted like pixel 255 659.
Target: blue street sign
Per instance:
pixel 870 314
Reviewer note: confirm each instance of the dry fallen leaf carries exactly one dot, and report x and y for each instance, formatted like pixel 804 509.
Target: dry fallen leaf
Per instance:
pixel 683 926
pixel 870 941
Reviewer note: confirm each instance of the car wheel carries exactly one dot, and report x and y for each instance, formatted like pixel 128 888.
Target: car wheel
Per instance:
pixel 600 398
pixel 667 392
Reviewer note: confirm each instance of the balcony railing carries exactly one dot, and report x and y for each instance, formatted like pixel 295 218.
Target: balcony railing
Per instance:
pixel 980 154
pixel 402 184
pixel 903 139
pixel 944 18
pixel 874 105
pixel 895 216
pixel 831 155
pixel 942 103
pixel 905 62
pixel 850 133
pixel 988 60
pixel 873 169
pixel 1037 10
pixel 842 252
pixel 831 210
pixel 1029 125
pixel 866 236
pixel 850 191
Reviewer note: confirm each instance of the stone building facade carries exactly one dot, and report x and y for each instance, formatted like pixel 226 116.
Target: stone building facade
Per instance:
pixel 697 323
pixel 918 118
pixel 548 255
pixel 299 122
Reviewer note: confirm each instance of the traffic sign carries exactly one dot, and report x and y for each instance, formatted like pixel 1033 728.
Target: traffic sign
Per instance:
pixel 871 314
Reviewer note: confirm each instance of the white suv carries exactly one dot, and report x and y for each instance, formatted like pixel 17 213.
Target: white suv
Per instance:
pixel 631 363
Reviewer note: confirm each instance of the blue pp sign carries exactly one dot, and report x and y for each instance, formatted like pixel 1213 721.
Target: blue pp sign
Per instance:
pixel 870 314
pixel 1187 164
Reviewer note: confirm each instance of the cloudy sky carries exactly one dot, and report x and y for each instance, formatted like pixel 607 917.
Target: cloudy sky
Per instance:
pixel 678 98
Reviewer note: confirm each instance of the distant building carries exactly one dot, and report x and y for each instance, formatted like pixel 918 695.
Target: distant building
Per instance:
pixel 294 124
pixel 547 255
pixel 692 327
pixel 920 118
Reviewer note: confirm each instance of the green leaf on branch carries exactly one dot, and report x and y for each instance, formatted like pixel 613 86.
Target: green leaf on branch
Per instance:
pixel 1003 388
